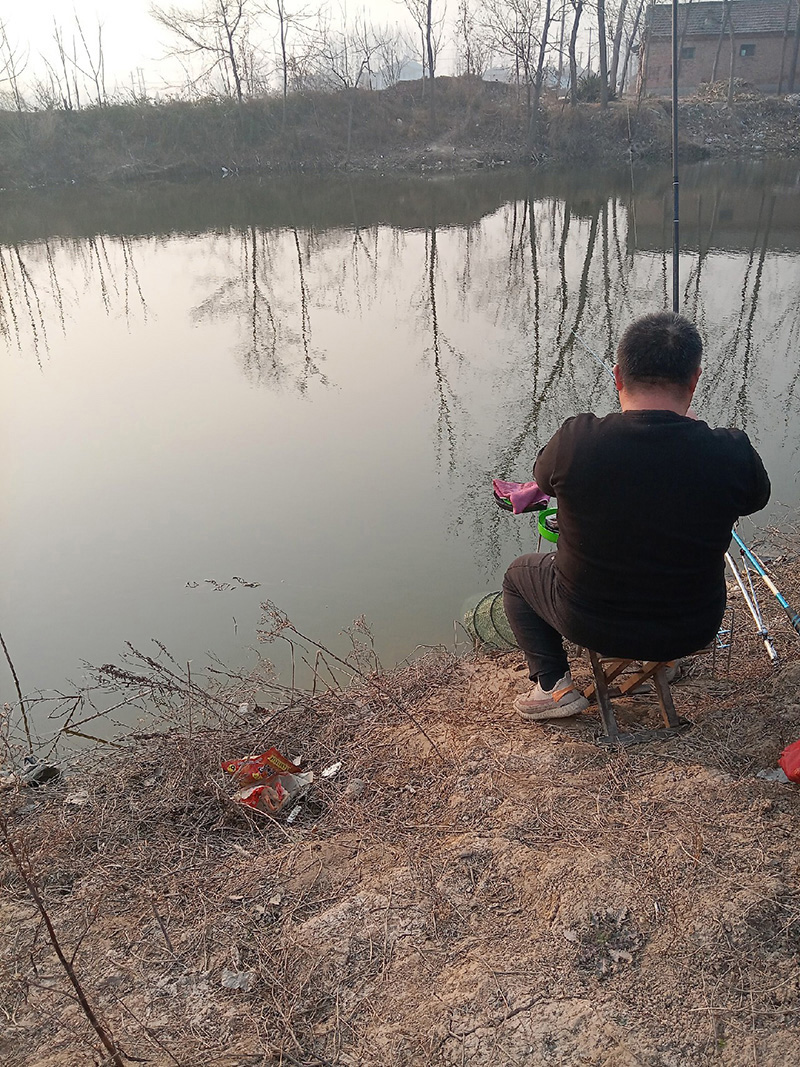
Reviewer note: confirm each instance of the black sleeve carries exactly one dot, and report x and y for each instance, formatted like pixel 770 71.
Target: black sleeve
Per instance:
pixel 543 467
pixel 757 495
pixel 546 469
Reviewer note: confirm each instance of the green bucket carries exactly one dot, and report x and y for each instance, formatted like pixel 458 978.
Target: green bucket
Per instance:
pixel 487 624
pixel 544 529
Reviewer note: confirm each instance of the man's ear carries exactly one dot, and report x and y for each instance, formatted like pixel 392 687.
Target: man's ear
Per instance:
pixel 618 378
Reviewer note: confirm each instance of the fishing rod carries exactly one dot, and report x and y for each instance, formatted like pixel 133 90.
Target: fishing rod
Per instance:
pixel 598 359
pixel 753 607
pixel 758 567
pixel 748 595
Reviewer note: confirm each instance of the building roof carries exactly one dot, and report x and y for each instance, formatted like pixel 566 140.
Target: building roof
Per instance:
pixel 749 17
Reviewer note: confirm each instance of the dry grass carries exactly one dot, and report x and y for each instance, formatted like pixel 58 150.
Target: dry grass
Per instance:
pixel 476 123
pixel 497 893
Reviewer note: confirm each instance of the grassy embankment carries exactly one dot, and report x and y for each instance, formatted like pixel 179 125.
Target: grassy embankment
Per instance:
pixel 475 124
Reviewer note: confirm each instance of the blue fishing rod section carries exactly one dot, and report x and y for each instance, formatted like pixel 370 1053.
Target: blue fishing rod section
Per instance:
pixel 758 567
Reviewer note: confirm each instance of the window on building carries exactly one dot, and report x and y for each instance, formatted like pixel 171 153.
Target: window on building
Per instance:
pixel 747 50
pixel 687 53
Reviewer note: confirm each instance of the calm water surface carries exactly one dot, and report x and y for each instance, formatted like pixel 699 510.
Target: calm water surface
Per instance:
pixel 309 385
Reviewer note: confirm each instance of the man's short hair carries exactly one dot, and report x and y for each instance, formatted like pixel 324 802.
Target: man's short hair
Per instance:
pixel 659 349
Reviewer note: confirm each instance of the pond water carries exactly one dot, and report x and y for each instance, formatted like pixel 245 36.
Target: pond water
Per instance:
pixel 309 385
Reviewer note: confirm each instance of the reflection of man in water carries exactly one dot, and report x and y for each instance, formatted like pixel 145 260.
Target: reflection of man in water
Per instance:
pixel 646 501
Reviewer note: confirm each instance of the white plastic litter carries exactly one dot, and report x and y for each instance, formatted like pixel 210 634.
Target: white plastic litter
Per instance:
pixel 242 980
pixel 773 774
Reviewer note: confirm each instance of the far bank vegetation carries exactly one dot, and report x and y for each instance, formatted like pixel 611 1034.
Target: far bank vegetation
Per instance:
pixel 269 84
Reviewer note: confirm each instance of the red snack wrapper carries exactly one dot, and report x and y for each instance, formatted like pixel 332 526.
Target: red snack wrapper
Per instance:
pixel 270 797
pixel 268 781
pixel 790 762
pixel 257 768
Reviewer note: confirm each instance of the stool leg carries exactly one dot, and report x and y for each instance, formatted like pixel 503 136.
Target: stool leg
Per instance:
pixel 668 713
pixel 603 699
pixel 611 669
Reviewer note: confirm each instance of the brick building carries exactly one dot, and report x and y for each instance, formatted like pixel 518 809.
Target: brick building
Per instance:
pixel 765 40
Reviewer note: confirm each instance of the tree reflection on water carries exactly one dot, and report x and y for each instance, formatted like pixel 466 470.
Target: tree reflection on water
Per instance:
pixel 496 284
pixel 41 282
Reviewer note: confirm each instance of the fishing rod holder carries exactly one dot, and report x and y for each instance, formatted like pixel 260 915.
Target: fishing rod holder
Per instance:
pixel 723 642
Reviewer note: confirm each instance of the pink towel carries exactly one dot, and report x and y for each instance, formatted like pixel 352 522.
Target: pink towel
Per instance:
pixel 524 496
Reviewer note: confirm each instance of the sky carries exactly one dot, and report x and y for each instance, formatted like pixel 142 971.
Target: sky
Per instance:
pixel 136 47
pixel 132 39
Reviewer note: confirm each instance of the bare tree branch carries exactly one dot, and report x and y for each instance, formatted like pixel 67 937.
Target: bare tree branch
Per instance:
pixel 219 31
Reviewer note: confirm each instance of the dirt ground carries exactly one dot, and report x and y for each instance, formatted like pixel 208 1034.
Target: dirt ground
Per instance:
pixel 466 890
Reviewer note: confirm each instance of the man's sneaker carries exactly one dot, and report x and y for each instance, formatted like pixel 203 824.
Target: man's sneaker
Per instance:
pixel 559 702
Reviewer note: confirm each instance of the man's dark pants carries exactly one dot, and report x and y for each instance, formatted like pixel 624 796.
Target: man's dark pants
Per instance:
pixel 531 602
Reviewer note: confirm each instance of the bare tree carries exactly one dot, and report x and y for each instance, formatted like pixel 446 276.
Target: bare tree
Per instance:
pixel 472 46
pixel 218 33
pixel 94 69
pixel 518 29
pixel 58 37
pixel 562 18
pixel 726 24
pixel 303 67
pixel 617 45
pixel 539 75
pixel 577 7
pixel 252 70
pixel 603 52
pixel 13 62
pixel 80 66
pixel 722 27
pixel 632 36
pixel 346 55
pixel 72 95
pixel 294 28
pixel 429 49
pixel 52 91
pixel 683 30
pixel 430 29
pixel 47 90
pixel 392 54
pixel 139 93
pixel 284 24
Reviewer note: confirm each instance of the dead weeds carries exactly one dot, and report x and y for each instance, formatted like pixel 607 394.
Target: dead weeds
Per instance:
pixel 495 893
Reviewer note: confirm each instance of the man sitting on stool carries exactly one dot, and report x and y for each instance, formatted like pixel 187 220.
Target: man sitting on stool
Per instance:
pixel 647 498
